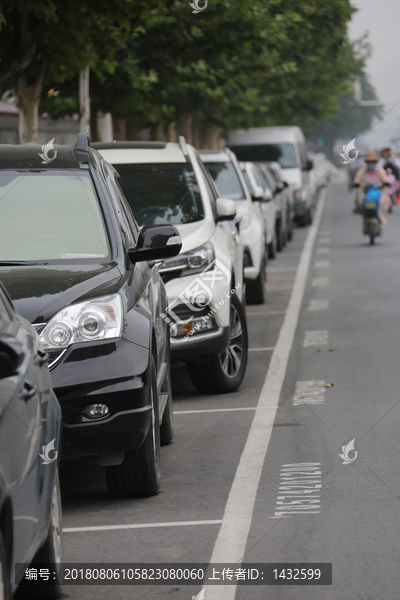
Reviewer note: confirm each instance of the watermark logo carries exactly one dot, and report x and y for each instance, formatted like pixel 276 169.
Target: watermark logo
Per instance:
pixel 46 149
pixel 46 451
pixel 346 449
pixel 346 150
pixel 200 595
pixel 197 8
pixel 198 293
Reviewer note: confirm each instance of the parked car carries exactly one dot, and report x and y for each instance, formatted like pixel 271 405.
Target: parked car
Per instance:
pixel 279 198
pixel 77 267
pixel 168 183
pixel 277 173
pixel 30 418
pixel 226 173
pixel 286 145
pixel 261 192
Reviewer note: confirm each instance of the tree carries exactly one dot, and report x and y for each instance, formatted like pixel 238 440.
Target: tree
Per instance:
pixel 52 38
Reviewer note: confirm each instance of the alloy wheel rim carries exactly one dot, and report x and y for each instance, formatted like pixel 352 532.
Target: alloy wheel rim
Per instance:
pixel 231 359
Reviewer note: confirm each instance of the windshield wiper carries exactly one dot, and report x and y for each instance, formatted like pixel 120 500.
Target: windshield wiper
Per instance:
pixel 6 263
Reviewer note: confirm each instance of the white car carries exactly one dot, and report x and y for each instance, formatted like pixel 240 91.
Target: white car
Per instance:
pixel 261 192
pixel 168 183
pixel 225 171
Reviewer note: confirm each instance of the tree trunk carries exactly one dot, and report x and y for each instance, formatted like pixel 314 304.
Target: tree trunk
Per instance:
pixel 84 99
pixel 131 131
pixel 27 101
pixel 104 127
pixel 119 128
pixel 186 127
pixel 211 139
pixel 170 132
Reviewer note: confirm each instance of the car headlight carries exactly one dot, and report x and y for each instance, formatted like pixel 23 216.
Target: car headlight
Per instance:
pixel 194 261
pixel 244 222
pixel 97 319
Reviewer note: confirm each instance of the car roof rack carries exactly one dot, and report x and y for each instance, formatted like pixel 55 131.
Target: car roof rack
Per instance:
pixel 183 147
pixel 129 145
pixel 81 149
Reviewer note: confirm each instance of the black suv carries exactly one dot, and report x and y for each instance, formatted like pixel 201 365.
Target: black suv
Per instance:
pixel 78 267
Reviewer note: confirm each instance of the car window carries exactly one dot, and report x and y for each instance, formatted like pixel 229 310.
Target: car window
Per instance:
pixel 260 178
pixel 50 215
pixel 227 180
pixel 284 154
pixel 270 180
pixel 5 316
pixel 161 192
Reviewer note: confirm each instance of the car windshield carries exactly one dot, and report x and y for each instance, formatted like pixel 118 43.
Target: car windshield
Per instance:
pixel 50 215
pixel 284 154
pixel 161 193
pixel 227 180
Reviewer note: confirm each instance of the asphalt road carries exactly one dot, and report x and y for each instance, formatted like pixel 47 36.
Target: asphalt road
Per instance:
pixel 330 317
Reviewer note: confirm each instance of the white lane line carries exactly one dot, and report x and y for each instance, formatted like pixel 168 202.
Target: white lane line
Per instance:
pixel 323 250
pixel 320 281
pixel 309 392
pixel 316 338
pixel 318 305
pixel 261 349
pixel 212 410
pixel 141 525
pixel 267 313
pixel 299 490
pixel 320 264
pixel 232 537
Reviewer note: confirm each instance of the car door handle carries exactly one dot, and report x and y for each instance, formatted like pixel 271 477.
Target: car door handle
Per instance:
pixel 41 358
pixel 27 392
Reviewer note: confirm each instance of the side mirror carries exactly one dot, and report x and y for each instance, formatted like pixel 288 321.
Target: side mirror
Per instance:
pixel 11 357
pixel 156 242
pixel 285 184
pixel 226 209
pixel 257 193
pixel 309 165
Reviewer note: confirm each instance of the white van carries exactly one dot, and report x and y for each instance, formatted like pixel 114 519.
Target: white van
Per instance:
pixel 287 146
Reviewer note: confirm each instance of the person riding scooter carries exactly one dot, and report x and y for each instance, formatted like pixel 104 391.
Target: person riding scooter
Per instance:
pixel 371 175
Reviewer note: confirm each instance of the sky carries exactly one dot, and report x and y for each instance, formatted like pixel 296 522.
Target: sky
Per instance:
pixel 382 19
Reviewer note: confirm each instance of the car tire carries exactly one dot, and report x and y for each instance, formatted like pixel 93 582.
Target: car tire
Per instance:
pixel 49 554
pixel 279 237
pixel 290 230
pixel 255 290
pixel 272 249
pixel 139 474
pixel 214 377
pixel 167 425
pixel 5 588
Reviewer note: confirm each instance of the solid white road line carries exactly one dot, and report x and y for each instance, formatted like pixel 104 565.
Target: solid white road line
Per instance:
pixel 141 525
pixel 212 410
pixel 230 545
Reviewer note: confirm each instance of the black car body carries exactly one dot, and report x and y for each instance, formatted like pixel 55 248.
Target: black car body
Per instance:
pixel 86 284
pixel 30 420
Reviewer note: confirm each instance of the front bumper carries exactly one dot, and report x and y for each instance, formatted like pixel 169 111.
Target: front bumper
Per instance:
pixel 115 373
pixel 200 344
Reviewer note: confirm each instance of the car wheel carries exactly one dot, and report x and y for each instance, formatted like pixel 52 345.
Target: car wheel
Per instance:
pixel 255 292
pixel 272 249
pixel 279 241
pixel 50 553
pixel 225 372
pixel 5 591
pixel 284 238
pixel 290 229
pixel 139 474
pixel 167 425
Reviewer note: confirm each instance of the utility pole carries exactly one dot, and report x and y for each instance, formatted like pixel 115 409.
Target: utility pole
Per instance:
pixel 84 99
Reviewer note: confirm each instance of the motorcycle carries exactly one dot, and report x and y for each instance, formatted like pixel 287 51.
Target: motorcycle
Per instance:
pixel 369 209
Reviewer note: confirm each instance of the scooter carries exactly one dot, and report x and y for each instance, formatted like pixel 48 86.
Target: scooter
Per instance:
pixel 369 209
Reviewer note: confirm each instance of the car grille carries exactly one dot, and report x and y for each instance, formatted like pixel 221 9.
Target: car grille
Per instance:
pixel 184 312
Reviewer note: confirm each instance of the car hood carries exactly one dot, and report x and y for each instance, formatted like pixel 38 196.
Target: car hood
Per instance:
pixel 39 292
pixel 195 234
